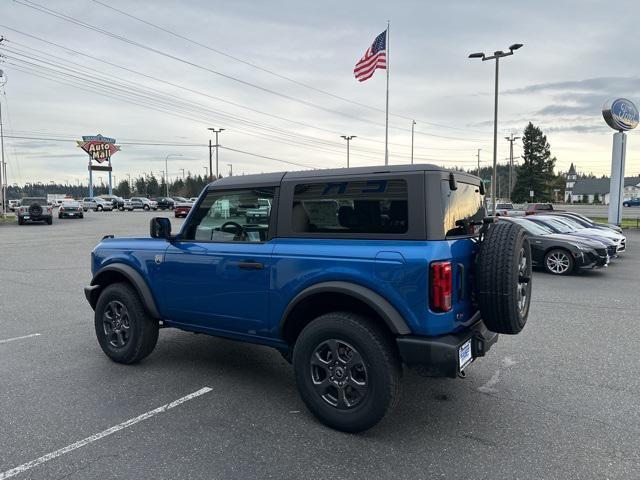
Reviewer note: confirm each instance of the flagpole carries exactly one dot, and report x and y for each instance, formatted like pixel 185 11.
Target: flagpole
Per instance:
pixel 386 123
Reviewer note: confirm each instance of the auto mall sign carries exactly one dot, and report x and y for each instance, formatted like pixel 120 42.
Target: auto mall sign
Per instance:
pixel 620 114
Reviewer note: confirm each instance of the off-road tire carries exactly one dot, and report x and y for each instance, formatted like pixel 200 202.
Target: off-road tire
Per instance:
pixel 379 356
pixel 503 285
pixel 143 328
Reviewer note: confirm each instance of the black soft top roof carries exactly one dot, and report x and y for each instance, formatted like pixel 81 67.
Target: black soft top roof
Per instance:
pixel 264 179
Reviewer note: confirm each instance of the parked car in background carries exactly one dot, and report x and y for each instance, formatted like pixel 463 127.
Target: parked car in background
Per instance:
pixel 181 200
pixel 561 254
pixel 34 209
pixel 182 209
pixel 164 203
pixel 558 226
pixel 260 213
pixel 193 199
pixel 140 203
pixel 116 202
pixel 71 209
pixel 587 222
pixel 633 202
pixel 619 239
pixel 13 205
pixel 97 204
pixel 533 208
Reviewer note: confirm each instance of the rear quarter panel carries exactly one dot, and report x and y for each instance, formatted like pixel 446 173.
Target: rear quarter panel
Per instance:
pixel 396 270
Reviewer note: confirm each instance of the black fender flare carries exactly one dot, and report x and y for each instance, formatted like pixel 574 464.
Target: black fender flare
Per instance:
pixel 133 276
pixel 379 304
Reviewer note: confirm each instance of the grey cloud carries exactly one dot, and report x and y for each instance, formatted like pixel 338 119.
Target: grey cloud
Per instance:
pixel 609 85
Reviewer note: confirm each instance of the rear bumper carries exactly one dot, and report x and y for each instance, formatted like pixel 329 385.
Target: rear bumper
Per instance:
pixel 439 356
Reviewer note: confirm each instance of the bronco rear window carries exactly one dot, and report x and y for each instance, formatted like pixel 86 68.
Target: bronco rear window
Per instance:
pixel 362 206
pixel 461 206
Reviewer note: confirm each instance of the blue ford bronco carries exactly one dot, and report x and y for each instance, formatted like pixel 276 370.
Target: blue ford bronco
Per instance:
pixel 350 274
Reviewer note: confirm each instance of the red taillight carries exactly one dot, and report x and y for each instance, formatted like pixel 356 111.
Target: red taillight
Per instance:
pixel 441 286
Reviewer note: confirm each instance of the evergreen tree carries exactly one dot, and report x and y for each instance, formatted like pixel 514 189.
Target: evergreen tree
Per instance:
pixel 536 171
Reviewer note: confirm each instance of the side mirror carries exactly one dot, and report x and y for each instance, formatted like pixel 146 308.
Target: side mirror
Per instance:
pixel 160 227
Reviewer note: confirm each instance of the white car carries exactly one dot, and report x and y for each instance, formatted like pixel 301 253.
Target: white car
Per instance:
pixel 96 203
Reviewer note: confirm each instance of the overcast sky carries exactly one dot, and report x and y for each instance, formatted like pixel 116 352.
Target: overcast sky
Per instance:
pixel 144 85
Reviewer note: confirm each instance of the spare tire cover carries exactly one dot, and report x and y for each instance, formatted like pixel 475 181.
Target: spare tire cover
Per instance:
pixel 35 209
pixel 503 278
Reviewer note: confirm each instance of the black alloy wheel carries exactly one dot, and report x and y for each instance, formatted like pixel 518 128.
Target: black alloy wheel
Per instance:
pixel 339 374
pixel 115 324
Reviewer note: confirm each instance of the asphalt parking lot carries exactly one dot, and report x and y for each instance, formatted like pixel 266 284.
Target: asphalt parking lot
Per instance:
pixel 560 400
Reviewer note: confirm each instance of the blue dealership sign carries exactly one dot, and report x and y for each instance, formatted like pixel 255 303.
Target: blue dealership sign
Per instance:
pixel 620 114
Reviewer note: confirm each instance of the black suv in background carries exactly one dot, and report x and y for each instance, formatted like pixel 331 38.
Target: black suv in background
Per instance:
pixel 165 203
pixel 118 202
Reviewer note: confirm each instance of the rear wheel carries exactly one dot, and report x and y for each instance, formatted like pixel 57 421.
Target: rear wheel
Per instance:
pixel 347 371
pixel 503 273
pixel 125 331
pixel 558 262
pixel 146 207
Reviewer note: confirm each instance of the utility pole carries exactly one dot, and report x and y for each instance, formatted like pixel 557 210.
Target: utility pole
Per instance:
pixel 413 124
pixel 3 164
pixel 216 131
pixel 348 138
pixel 511 139
pixel 230 165
pixel 166 169
pixel 478 154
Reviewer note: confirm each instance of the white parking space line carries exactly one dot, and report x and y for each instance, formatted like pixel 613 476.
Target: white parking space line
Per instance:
pixel 20 338
pixel 93 438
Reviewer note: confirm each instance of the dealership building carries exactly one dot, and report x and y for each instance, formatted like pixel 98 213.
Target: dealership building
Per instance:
pixel 596 190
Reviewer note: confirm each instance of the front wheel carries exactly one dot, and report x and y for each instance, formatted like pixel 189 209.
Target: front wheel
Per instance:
pixel 125 331
pixel 146 207
pixel 625 204
pixel 347 370
pixel 99 208
pixel 558 262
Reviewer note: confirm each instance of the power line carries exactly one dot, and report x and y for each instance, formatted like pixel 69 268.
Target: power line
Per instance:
pixel 269 71
pixel 67 18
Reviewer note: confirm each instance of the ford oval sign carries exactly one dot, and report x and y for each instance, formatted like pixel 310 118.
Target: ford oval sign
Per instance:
pixel 620 114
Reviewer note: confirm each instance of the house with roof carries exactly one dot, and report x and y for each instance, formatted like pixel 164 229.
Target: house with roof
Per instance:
pixel 596 190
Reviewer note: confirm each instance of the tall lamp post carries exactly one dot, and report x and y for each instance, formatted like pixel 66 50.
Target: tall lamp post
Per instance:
pixel 216 131
pixel 166 171
pixel 496 56
pixel 348 138
pixel 413 124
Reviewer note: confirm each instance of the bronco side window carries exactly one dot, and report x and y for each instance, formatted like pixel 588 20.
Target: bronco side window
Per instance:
pixel 232 216
pixel 362 206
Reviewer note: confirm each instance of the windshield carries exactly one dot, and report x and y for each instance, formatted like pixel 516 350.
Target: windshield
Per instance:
pixel 570 222
pixel 533 228
pixel 556 225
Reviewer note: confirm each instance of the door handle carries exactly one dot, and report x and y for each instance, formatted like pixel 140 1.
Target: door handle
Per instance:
pixel 249 265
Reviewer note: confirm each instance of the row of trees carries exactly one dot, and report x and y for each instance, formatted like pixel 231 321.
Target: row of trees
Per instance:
pixel 146 186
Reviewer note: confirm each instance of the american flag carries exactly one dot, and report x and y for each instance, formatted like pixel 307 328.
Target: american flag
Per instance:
pixel 375 57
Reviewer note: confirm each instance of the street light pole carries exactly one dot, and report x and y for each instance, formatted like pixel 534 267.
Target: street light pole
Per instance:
pixel 348 138
pixel 166 169
pixel 216 131
pixel 3 165
pixel 230 165
pixel 478 155
pixel 496 56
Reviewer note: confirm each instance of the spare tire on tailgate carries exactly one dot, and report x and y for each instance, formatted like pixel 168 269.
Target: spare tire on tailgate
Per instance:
pixel 503 278
pixel 35 209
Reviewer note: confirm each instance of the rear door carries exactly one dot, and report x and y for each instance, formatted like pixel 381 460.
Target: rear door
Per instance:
pixel 215 276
